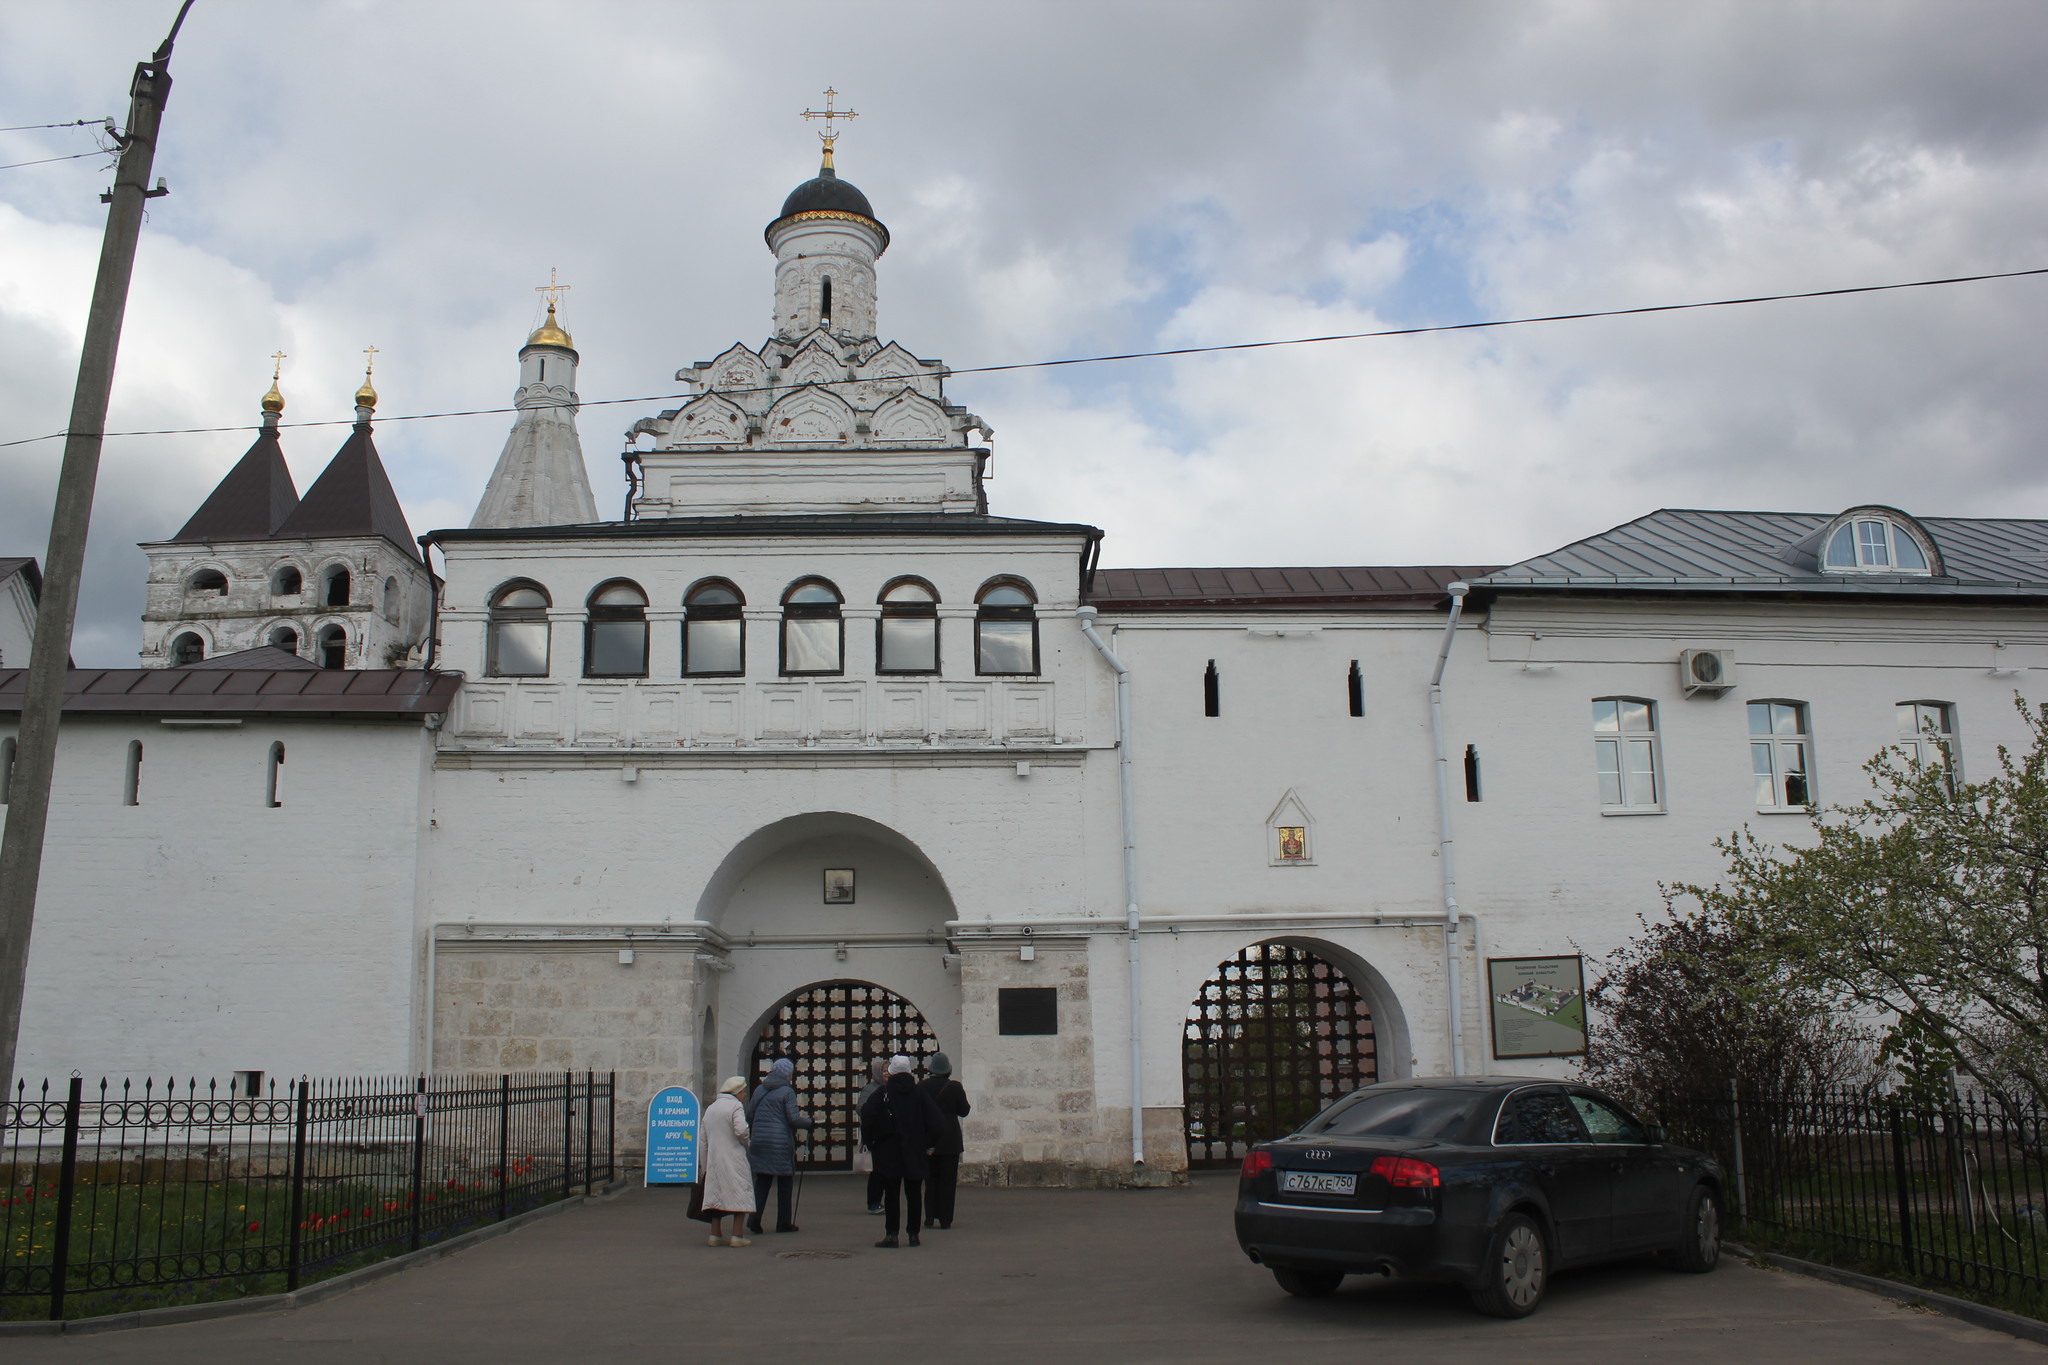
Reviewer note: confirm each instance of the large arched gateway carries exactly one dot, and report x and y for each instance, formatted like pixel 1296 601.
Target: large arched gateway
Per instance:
pixel 1275 1034
pixel 832 1031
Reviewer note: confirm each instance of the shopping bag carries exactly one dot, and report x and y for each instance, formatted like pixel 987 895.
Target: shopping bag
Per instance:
pixel 863 1161
pixel 696 1209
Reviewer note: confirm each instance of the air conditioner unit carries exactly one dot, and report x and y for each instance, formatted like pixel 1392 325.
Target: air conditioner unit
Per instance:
pixel 1706 670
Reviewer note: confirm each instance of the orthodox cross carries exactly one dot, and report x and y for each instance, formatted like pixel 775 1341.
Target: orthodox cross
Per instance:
pixel 553 290
pixel 831 134
pixel 277 359
pixel 369 360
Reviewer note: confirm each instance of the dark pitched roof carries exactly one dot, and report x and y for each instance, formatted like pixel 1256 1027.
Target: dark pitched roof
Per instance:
pixel 352 497
pixel 263 656
pixel 28 569
pixel 250 502
pixel 1696 551
pixel 1380 587
pixel 387 692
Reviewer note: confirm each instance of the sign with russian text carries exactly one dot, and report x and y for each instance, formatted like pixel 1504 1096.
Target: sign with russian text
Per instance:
pixel 1538 1006
pixel 672 1137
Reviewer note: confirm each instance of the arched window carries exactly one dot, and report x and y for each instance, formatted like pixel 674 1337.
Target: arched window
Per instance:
pixel 187 649
pixel 1866 541
pixel 209 581
pixel 825 302
pixel 332 651
pixel 615 636
pixel 285 638
pixel 131 782
pixel 518 645
pixel 1006 629
pixel 273 786
pixel 714 631
pixel 813 635
pixel 287 581
pixel 907 636
pixel 393 603
pixel 338 587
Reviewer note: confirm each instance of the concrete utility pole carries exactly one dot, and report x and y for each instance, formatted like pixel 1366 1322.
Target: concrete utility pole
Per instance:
pixel 28 797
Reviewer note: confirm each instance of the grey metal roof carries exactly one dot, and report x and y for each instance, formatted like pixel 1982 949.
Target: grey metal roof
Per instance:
pixel 777 524
pixel 1691 550
pixel 1398 587
pixel 388 692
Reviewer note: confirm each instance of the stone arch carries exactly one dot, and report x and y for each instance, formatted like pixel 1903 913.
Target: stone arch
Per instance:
pixel 810 415
pixel 910 416
pixel 832 1030
pixel 1276 1031
pixel 816 363
pixel 708 419
pixel 737 368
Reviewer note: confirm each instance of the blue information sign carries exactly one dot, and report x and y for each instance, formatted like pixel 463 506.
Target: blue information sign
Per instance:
pixel 672 1137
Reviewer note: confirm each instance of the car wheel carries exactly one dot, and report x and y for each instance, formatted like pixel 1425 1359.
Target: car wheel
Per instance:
pixel 1699 1247
pixel 1516 1270
pixel 1308 1284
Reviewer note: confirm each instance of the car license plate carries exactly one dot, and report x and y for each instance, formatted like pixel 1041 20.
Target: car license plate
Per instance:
pixel 1317 1182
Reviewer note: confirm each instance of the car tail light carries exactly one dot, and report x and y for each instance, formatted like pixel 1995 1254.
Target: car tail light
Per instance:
pixel 1405 1172
pixel 1256 1161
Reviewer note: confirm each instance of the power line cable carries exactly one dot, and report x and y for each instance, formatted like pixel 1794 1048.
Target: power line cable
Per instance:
pixel 1145 355
pixel 74 123
pixel 102 151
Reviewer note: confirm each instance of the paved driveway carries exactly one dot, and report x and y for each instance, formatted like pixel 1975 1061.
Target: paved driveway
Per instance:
pixel 1027 1276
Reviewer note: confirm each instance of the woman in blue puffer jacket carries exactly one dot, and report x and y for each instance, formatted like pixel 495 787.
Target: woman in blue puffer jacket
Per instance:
pixel 774 1116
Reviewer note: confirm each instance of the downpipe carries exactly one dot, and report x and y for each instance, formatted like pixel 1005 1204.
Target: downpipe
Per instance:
pixel 1453 977
pixel 1086 616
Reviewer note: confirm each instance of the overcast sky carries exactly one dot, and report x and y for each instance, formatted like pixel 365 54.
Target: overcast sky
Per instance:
pixel 1066 179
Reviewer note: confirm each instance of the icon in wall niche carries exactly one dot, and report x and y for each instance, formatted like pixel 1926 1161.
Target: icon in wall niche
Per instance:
pixel 839 886
pixel 1290 834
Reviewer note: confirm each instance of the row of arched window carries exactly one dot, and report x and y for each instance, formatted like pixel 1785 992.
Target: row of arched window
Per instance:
pixel 330 646
pixel 336 584
pixel 812 630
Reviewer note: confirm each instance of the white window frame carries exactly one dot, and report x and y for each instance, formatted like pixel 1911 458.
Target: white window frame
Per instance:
pixel 1623 744
pixel 1893 534
pixel 1775 743
pixel 1943 740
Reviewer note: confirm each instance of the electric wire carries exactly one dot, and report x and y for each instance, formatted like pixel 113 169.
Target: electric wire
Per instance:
pixel 949 373
pixel 74 123
pixel 98 151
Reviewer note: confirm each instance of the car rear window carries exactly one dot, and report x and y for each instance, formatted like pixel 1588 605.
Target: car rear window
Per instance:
pixel 1440 1115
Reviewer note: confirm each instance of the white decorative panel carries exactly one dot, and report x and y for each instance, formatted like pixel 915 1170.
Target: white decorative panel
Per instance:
pixel 903 711
pixel 483 713
pixel 966 710
pixel 1028 709
pixel 598 716
pixel 660 715
pixel 718 714
pixel 839 711
pixel 782 713
pixel 540 713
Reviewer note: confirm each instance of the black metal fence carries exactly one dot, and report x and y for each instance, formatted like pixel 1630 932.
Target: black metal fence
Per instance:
pixel 1950 1191
pixel 118 1197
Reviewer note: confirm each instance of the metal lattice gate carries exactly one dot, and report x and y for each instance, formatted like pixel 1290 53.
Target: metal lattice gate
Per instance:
pixel 1276 1034
pixel 833 1031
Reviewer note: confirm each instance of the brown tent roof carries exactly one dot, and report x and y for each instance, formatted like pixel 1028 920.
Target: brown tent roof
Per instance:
pixel 389 692
pixel 1395 587
pixel 250 502
pixel 352 497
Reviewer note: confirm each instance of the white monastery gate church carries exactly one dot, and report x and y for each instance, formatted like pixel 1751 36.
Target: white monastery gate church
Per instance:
pixel 816 755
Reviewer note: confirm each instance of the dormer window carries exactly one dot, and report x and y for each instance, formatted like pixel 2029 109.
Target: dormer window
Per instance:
pixel 1865 541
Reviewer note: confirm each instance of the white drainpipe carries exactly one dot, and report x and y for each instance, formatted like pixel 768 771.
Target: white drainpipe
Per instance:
pixel 1086 616
pixel 1452 980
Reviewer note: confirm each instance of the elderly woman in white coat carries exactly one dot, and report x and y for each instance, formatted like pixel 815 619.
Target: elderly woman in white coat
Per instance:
pixel 722 1164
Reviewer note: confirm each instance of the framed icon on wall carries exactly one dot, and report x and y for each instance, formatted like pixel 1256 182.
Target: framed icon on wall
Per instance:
pixel 839 886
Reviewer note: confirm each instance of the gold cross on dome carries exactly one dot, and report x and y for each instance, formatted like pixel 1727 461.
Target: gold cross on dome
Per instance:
pixel 369 360
pixel 830 134
pixel 553 290
pixel 277 359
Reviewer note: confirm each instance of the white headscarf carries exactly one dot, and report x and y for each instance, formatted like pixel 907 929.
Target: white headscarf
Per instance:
pixel 900 1065
pixel 734 1085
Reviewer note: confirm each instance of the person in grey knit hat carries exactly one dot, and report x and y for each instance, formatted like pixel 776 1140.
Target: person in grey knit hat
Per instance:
pixel 949 1097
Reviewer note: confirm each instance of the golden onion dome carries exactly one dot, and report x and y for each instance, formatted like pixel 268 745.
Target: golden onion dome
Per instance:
pixel 550 333
pixel 273 401
pixel 366 397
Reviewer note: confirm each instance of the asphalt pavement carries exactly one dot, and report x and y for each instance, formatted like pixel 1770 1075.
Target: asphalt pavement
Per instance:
pixel 1025 1276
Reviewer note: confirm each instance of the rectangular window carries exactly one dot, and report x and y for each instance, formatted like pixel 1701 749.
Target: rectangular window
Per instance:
pixel 519 649
pixel 615 649
pixel 1471 772
pixel 1212 691
pixel 714 647
pixel 1027 1010
pixel 1625 754
pixel 1005 647
pixel 1927 733
pixel 1354 687
pixel 908 644
pixel 1780 755
pixel 811 644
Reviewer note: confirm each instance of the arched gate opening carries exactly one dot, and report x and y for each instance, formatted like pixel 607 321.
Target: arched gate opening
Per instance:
pixel 1274 1035
pixel 833 1031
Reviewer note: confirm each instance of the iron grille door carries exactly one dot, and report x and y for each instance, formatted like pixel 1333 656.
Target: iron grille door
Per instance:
pixel 1276 1034
pixel 832 1031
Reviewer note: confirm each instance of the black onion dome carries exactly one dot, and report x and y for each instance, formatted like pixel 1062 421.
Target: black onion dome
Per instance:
pixel 827 193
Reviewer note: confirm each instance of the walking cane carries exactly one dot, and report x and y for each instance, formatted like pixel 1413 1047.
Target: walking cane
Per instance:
pixel 799 1195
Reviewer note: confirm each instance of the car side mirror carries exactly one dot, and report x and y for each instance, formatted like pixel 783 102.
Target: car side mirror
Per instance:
pixel 1658 1133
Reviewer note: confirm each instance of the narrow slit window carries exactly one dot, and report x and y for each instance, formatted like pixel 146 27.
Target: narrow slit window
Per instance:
pixel 6 770
pixel 273 787
pixel 825 301
pixel 1472 772
pixel 1212 691
pixel 1354 687
pixel 131 781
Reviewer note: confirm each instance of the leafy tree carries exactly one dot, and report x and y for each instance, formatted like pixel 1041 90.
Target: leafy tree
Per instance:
pixel 1924 907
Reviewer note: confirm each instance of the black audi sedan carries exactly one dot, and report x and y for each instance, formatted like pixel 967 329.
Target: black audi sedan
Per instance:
pixel 1493 1182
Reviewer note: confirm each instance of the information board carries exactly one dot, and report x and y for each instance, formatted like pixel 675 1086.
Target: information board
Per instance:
pixel 1538 1006
pixel 672 1137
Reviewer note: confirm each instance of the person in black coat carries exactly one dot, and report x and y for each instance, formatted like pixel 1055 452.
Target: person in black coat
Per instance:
pixel 900 1124
pixel 950 1098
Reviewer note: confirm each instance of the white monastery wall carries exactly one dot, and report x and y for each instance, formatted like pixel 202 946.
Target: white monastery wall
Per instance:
pixel 201 931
